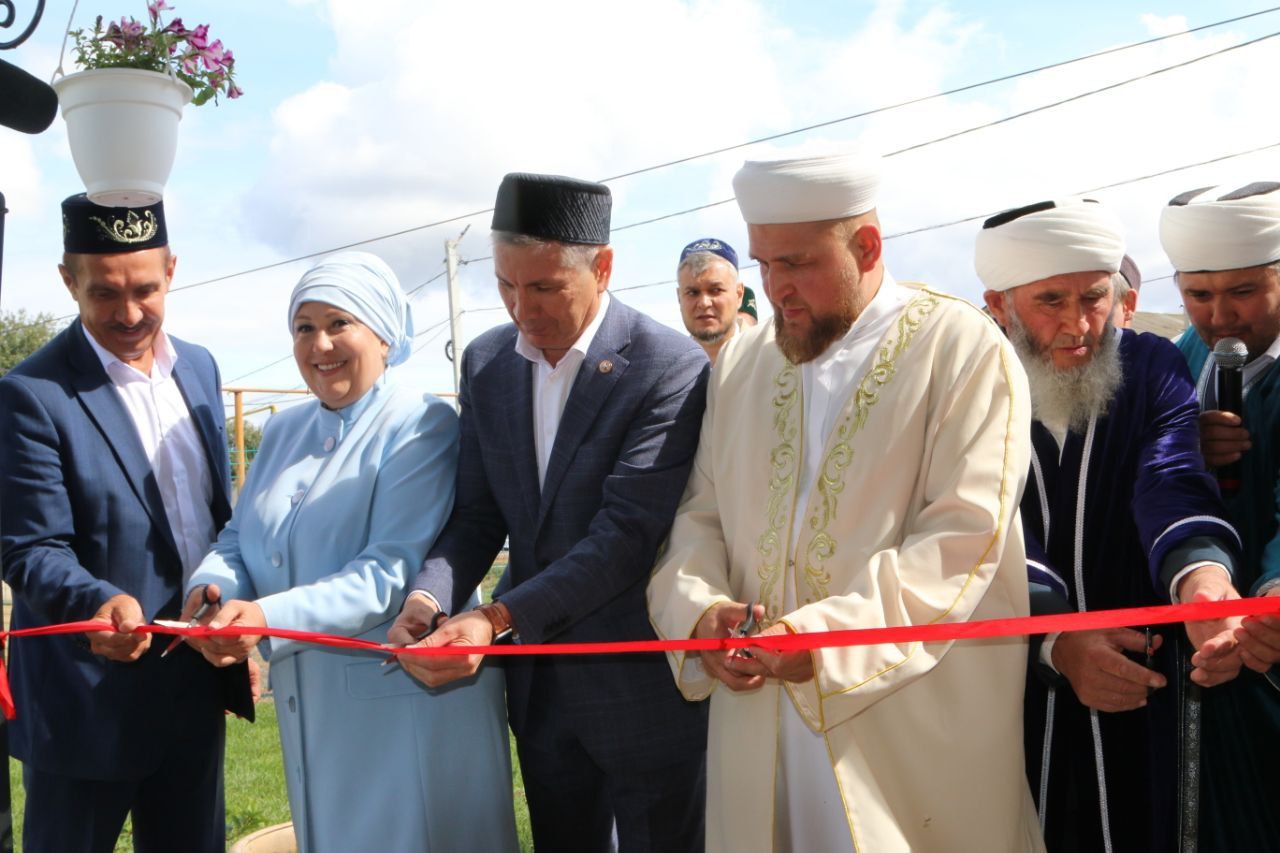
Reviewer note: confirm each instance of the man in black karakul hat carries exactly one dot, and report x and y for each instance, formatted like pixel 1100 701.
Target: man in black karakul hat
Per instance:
pixel 113 483
pixel 579 424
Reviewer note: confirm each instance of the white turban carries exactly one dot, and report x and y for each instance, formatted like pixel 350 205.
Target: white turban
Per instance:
pixel 1222 228
pixel 807 189
pixel 1050 238
pixel 364 286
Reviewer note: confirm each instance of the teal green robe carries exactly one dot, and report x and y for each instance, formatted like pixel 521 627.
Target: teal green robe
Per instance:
pixel 1240 732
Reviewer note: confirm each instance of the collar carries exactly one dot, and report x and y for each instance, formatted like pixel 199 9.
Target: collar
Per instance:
pixel 889 297
pixel 1273 351
pixel 351 412
pixel 581 345
pixel 162 366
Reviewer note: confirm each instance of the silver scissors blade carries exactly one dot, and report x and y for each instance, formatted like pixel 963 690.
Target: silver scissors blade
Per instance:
pixel 746 627
pixel 195 620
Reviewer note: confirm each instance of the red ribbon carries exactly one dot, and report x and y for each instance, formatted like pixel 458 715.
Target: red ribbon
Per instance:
pixel 1199 611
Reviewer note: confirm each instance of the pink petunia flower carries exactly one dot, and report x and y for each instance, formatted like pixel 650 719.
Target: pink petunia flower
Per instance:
pixel 199 37
pixel 212 56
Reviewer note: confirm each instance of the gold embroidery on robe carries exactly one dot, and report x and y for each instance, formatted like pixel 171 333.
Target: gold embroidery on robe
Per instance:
pixel 822 546
pixel 771 545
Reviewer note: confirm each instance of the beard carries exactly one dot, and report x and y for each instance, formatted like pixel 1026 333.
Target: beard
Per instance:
pixel 714 336
pixel 1068 397
pixel 823 330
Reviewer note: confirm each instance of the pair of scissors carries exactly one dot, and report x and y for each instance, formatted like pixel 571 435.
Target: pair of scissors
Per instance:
pixel 746 627
pixel 208 602
pixel 437 619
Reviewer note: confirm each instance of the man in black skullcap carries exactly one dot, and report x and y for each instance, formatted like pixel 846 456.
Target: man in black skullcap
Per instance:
pixel 113 482
pixel 579 424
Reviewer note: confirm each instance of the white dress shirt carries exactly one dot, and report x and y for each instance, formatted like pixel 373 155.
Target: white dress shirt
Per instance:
pixel 829 379
pixel 172 443
pixel 551 385
pixel 808 807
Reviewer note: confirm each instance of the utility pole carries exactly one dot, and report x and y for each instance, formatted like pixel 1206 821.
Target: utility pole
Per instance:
pixel 455 307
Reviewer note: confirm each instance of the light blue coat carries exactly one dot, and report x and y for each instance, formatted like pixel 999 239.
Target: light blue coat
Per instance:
pixel 338 511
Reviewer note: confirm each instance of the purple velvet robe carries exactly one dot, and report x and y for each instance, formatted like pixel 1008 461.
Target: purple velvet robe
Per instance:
pixel 1111 781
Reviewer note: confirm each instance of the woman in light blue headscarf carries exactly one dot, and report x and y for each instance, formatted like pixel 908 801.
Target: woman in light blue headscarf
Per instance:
pixel 346 495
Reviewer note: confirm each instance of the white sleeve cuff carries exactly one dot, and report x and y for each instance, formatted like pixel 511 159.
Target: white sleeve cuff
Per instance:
pixel 1177 579
pixel 1046 650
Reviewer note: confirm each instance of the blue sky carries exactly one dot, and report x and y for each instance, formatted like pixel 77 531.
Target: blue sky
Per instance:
pixel 363 118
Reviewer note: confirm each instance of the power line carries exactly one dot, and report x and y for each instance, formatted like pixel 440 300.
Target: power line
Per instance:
pixel 793 132
pixel 978 216
pixel 922 99
pixel 420 346
pixel 317 254
pixel 914 147
pixel 1113 185
pixel 1082 95
pixel 985 125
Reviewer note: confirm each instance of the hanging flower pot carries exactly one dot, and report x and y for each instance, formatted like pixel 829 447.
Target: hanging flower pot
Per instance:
pixel 122 125
pixel 122 112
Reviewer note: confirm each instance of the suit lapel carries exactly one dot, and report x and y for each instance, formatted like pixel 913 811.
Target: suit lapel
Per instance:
pixel 599 373
pixel 520 428
pixel 99 398
pixel 202 413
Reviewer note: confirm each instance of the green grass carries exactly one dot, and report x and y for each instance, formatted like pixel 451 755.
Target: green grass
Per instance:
pixel 254 780
pixel 255 790
pixel 254 774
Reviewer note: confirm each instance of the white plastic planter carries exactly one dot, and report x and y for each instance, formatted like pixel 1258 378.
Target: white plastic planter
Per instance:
pixel 122 125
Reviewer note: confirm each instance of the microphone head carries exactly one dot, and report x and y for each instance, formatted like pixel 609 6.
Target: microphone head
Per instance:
pixel 1230 353
pixel 26 104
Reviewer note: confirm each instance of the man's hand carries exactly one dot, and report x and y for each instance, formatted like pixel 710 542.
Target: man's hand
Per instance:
pixel 1259 639
pixel 414 620
pixel 788 666
pixel 122 644
pixel 1217 658
pixel 1100 674
pixel 1223 438
pixel 720 621
pixel 225 651
pixel 255 680
pixel 195 600
pixel 466 629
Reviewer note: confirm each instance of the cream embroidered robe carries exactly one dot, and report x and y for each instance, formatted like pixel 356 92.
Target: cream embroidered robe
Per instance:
pixel 913 520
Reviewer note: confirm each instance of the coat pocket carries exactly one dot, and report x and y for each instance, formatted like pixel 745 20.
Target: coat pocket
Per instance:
pixel 371 680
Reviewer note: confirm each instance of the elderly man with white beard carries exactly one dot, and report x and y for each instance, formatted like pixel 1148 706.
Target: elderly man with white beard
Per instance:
pixel 1119 511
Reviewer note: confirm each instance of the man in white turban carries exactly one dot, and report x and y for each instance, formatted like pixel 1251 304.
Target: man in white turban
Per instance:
pixel 1119 512
pixel 846 479
pixel 1224 243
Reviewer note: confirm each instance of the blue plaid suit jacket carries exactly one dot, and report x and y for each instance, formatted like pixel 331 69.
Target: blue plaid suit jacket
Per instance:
pixel 582 547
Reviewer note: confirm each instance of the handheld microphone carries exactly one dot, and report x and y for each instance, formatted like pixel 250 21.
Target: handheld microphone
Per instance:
pixel 26 104
pixel 1230 355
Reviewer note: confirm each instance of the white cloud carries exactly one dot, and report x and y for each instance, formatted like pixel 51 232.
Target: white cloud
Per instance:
pixel 424 105
pixel 1159 26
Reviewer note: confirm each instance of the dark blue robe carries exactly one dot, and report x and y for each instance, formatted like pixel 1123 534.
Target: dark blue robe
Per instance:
pixel 1112 780
pixel 1240 746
